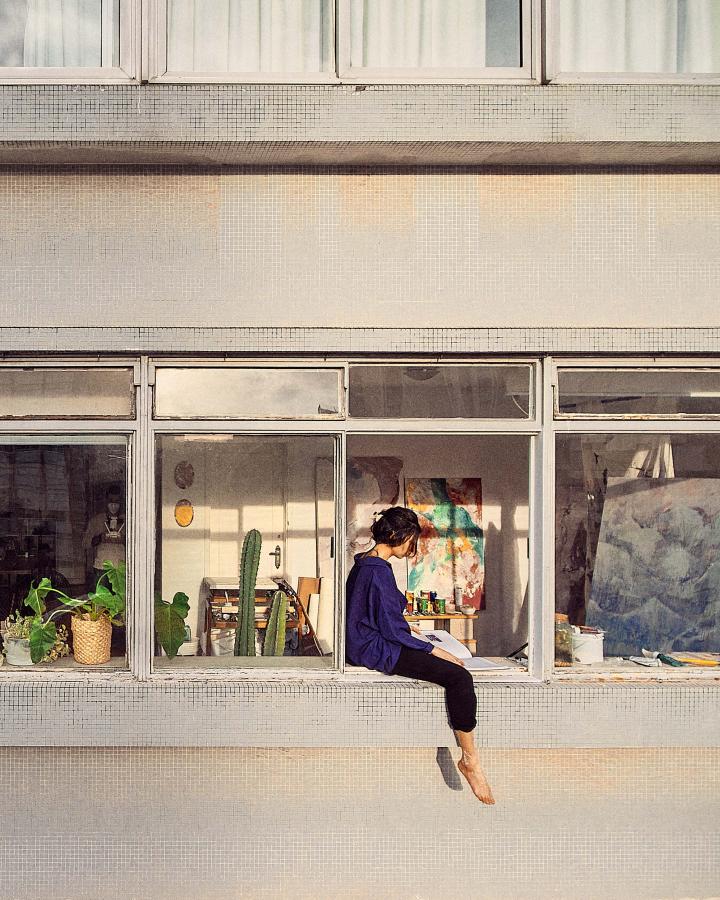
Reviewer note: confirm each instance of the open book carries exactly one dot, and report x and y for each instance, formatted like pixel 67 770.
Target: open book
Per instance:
pixel 473 663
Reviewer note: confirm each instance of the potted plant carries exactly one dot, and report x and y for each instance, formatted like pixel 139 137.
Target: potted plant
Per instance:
pixel 92 617
pixel 31 639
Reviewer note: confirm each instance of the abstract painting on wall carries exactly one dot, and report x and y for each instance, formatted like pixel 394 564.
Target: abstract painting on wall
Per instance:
pixel 657 573
pixel 451 549
pixel 373 484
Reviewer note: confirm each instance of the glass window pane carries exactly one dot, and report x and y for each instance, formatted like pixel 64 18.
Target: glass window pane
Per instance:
pixel 215 489
pixel 67 393
pixel 653 36
pixel 647 392
pixel 60 33
pixel 62 516
pixel 471 493
pixel 453 34
pixel 637 546
pixel 250 36
pixel 230 393
pixel 440 392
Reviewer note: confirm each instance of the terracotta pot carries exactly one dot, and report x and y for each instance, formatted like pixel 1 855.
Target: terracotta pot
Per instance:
pixel 91 640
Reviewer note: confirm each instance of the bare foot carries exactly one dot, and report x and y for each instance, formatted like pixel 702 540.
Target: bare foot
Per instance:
pixel 475 777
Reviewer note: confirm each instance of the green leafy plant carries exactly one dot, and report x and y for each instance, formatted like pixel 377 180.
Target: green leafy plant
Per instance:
pixel 108 599
pixel 170 622
pixel 249 562
pixel 275 632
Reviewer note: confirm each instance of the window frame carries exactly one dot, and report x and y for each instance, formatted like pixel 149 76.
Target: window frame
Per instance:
pixel 589 424
pixel 129 430
pixel 528 73
pixel 555 75
pixel 602 366
pixel 127 72
pixel 156 71
pixel 156 68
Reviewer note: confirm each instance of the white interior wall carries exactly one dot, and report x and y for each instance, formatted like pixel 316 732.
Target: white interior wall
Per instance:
pixel 268 484
pixel 502 462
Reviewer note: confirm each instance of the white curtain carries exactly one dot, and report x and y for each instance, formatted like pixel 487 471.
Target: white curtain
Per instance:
pixel 64 33
pixel 418 34
pixel 249 35
pixel 653 36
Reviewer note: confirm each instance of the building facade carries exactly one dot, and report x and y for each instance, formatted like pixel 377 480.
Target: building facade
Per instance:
pixel 276 266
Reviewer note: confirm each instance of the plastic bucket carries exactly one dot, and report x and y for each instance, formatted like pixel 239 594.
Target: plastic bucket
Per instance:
pixel 587 648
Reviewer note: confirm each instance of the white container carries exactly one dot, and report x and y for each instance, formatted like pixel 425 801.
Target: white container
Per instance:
pixel 17 651
pixel 587 648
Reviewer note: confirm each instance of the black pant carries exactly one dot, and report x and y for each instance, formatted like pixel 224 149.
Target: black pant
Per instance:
pixel 457 681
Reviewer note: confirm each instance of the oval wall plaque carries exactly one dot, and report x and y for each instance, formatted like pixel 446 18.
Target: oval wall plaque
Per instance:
pixel 184 513
pixel 184 474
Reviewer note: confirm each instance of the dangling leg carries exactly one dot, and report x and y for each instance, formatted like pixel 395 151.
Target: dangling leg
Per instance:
pixel 470 768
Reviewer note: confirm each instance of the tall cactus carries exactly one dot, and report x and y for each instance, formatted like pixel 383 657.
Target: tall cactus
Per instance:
pixel 275 632
pixel 249 562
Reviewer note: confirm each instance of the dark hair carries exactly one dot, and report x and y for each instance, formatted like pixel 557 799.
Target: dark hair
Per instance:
pixel 394 526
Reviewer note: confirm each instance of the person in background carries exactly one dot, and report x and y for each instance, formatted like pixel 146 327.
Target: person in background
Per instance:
pixel 104 537
pixel 379 637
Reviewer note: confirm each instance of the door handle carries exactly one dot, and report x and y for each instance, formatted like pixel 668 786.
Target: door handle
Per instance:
pixel 277 553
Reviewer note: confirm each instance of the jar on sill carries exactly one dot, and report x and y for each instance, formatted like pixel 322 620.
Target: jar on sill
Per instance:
pixel 563 640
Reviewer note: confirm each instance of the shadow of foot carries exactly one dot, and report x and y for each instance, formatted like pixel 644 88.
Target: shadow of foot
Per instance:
pixel 448 769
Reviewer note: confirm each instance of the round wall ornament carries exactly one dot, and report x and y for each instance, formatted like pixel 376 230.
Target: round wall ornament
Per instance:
pixel 184 474
pixel 184 513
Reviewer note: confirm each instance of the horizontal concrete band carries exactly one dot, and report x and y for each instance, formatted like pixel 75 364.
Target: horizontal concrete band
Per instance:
pixel 360 153
pixel 307 713
pixel 327 124
pixel 359 340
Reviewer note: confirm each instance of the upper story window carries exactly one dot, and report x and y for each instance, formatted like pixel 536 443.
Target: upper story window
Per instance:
pixel 65 39
pixel 636 39
pixel 250 37
pixel 435 38
pixel 331 40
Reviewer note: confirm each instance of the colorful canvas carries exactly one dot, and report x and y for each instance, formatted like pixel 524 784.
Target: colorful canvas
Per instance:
pixel 657 579
pixel 451 549
pixel 373 484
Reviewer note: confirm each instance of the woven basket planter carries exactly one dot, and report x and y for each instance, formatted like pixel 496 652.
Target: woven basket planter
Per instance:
pixel 91 640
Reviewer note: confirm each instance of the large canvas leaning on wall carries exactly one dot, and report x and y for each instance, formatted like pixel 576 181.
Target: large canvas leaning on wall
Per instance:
pixel 451 549
pixel 656 583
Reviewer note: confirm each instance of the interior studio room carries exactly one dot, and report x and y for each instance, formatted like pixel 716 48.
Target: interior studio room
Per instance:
pixel 471 495
pixel 212 491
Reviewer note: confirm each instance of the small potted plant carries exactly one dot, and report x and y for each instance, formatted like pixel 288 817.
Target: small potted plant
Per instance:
pixel 31 639
pixel 92 619
pixel 92 616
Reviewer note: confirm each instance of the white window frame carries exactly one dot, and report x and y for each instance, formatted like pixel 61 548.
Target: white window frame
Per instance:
pixel 687 365
pixel 155 58
pixel 340 428
pixel 555 75
pixel 528 73
pixel 136 550
pixel 590 424
pixel 127 72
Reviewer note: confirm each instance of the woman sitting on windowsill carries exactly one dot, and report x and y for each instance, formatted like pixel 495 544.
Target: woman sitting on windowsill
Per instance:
pixel 379 637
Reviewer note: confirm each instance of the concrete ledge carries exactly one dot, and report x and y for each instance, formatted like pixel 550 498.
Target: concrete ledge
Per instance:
pixel 311 713
pixel 352 341
pixel 361 124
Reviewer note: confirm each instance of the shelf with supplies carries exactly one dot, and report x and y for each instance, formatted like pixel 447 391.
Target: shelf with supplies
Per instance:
pixel 221 606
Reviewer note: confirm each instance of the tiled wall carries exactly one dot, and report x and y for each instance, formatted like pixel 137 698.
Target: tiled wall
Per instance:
pixel 361 824
pixel 336 711
pixel 417 248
